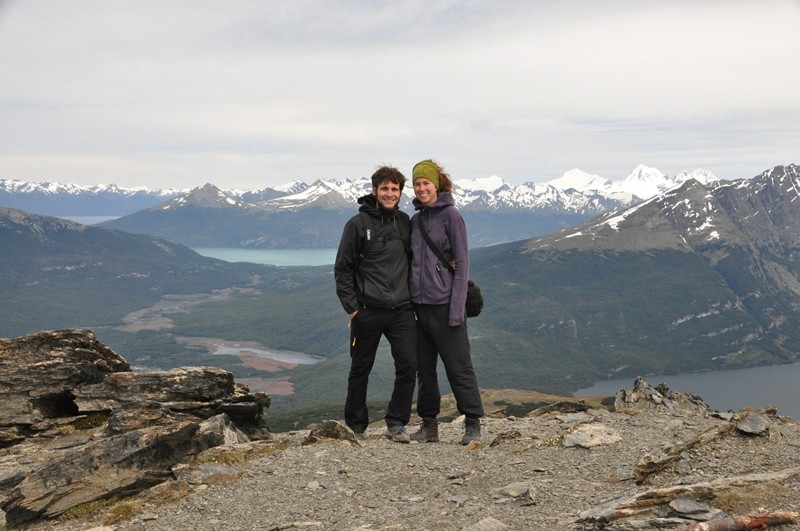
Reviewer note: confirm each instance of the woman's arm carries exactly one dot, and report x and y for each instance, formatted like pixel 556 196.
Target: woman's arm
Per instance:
pixel 459 247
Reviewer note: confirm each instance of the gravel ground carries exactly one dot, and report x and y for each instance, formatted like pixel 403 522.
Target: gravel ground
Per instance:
pixel 523 476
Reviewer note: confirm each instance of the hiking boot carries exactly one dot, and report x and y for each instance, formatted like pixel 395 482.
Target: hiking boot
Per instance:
pixel 397 433
pixel 472 430
pixel 428 431
pixel 359 432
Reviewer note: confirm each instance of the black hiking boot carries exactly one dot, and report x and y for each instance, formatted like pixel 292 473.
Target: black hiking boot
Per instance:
pixel 428 431
pixel 472 430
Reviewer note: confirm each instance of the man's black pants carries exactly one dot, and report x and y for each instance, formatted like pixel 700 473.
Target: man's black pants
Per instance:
pixel 366 329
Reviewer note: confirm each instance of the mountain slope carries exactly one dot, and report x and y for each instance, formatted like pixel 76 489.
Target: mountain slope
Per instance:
pixel 700 277
pixel 210 217
pixel 61 274
pixel 762 209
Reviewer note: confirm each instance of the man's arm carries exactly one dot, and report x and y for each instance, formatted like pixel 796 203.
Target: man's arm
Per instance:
pixel 344 266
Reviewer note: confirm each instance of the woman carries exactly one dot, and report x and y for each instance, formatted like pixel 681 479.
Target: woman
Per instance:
pixel 439 296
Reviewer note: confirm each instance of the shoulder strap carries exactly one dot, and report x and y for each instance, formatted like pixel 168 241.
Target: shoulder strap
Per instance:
pixel 435 249
pixel 404 229
pixel 369 230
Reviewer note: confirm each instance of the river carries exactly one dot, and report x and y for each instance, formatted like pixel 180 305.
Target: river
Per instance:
pixel 294 358
pixel 726 390
pixel 279 257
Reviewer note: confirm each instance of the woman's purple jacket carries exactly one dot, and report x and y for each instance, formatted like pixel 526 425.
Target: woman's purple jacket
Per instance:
pixel 432 282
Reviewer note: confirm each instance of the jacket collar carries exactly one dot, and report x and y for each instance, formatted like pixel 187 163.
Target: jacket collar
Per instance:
pixel 444 199
pixel 369 204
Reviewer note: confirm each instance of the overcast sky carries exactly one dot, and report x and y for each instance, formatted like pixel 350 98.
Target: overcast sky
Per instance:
pixel 255 93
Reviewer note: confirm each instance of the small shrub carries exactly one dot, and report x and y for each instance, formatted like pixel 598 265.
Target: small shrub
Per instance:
pixel 121 512
pixel 237 455
pixel 87 509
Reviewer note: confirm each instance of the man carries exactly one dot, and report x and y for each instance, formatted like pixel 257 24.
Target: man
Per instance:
pixel 371 273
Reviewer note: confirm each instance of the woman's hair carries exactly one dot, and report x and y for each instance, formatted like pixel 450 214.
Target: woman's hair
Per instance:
pixel 445 184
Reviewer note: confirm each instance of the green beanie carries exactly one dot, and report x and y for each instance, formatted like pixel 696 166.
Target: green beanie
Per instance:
pixel 427 169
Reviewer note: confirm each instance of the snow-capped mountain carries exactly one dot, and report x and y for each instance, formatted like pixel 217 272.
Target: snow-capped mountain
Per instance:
pixel 641 183
pixel 208 196
pixel 495 211
pixel 56 199
pixel 329 194
pixel 574 192
pixel 312 215
pixel 694 213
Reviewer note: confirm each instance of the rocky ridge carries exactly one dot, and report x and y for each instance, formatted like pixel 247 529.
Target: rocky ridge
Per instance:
pixel 655 459
pixel 78 426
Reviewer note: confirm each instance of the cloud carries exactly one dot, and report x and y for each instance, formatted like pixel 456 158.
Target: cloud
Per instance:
pixel 249 93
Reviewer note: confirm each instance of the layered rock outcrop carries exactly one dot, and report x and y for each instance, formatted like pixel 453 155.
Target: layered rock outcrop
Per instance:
pixel 78 425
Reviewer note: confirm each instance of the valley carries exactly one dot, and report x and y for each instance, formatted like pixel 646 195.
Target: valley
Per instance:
pixel 251 354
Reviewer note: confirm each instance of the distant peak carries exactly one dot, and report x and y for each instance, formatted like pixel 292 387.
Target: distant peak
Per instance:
pixel 486 184
pixel 700 175
pixel 578 179
pixel 205 196
pixel 291 187
pixel 645 173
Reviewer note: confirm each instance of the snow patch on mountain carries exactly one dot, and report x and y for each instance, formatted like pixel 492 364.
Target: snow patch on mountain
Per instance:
pixel 325 193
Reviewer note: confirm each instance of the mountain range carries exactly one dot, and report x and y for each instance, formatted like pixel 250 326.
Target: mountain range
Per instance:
pixel 703 276
pixel 298 215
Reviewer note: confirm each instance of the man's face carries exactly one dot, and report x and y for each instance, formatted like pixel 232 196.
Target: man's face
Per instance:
pixel 388 194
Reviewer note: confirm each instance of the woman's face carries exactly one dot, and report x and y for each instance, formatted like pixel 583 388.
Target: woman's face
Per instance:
pixel 425 191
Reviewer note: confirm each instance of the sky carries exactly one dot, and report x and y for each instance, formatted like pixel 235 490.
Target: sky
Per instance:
pixel 250 94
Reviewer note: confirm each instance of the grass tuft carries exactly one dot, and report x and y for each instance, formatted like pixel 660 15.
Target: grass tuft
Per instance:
pixel 121 512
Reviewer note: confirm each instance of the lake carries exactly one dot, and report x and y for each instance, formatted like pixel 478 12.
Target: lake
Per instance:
pixel 88 220
pixel 725 390
pixel 278 257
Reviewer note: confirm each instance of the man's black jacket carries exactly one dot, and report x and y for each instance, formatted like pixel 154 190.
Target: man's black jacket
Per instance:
pixel 380 278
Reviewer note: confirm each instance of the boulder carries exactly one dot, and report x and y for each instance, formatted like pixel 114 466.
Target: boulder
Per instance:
pixel 645 397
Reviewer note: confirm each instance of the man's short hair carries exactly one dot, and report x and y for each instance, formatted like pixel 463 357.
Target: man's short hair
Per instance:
pixel 388 173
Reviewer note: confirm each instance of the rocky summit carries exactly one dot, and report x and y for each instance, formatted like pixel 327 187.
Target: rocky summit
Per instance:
pixel 95 446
